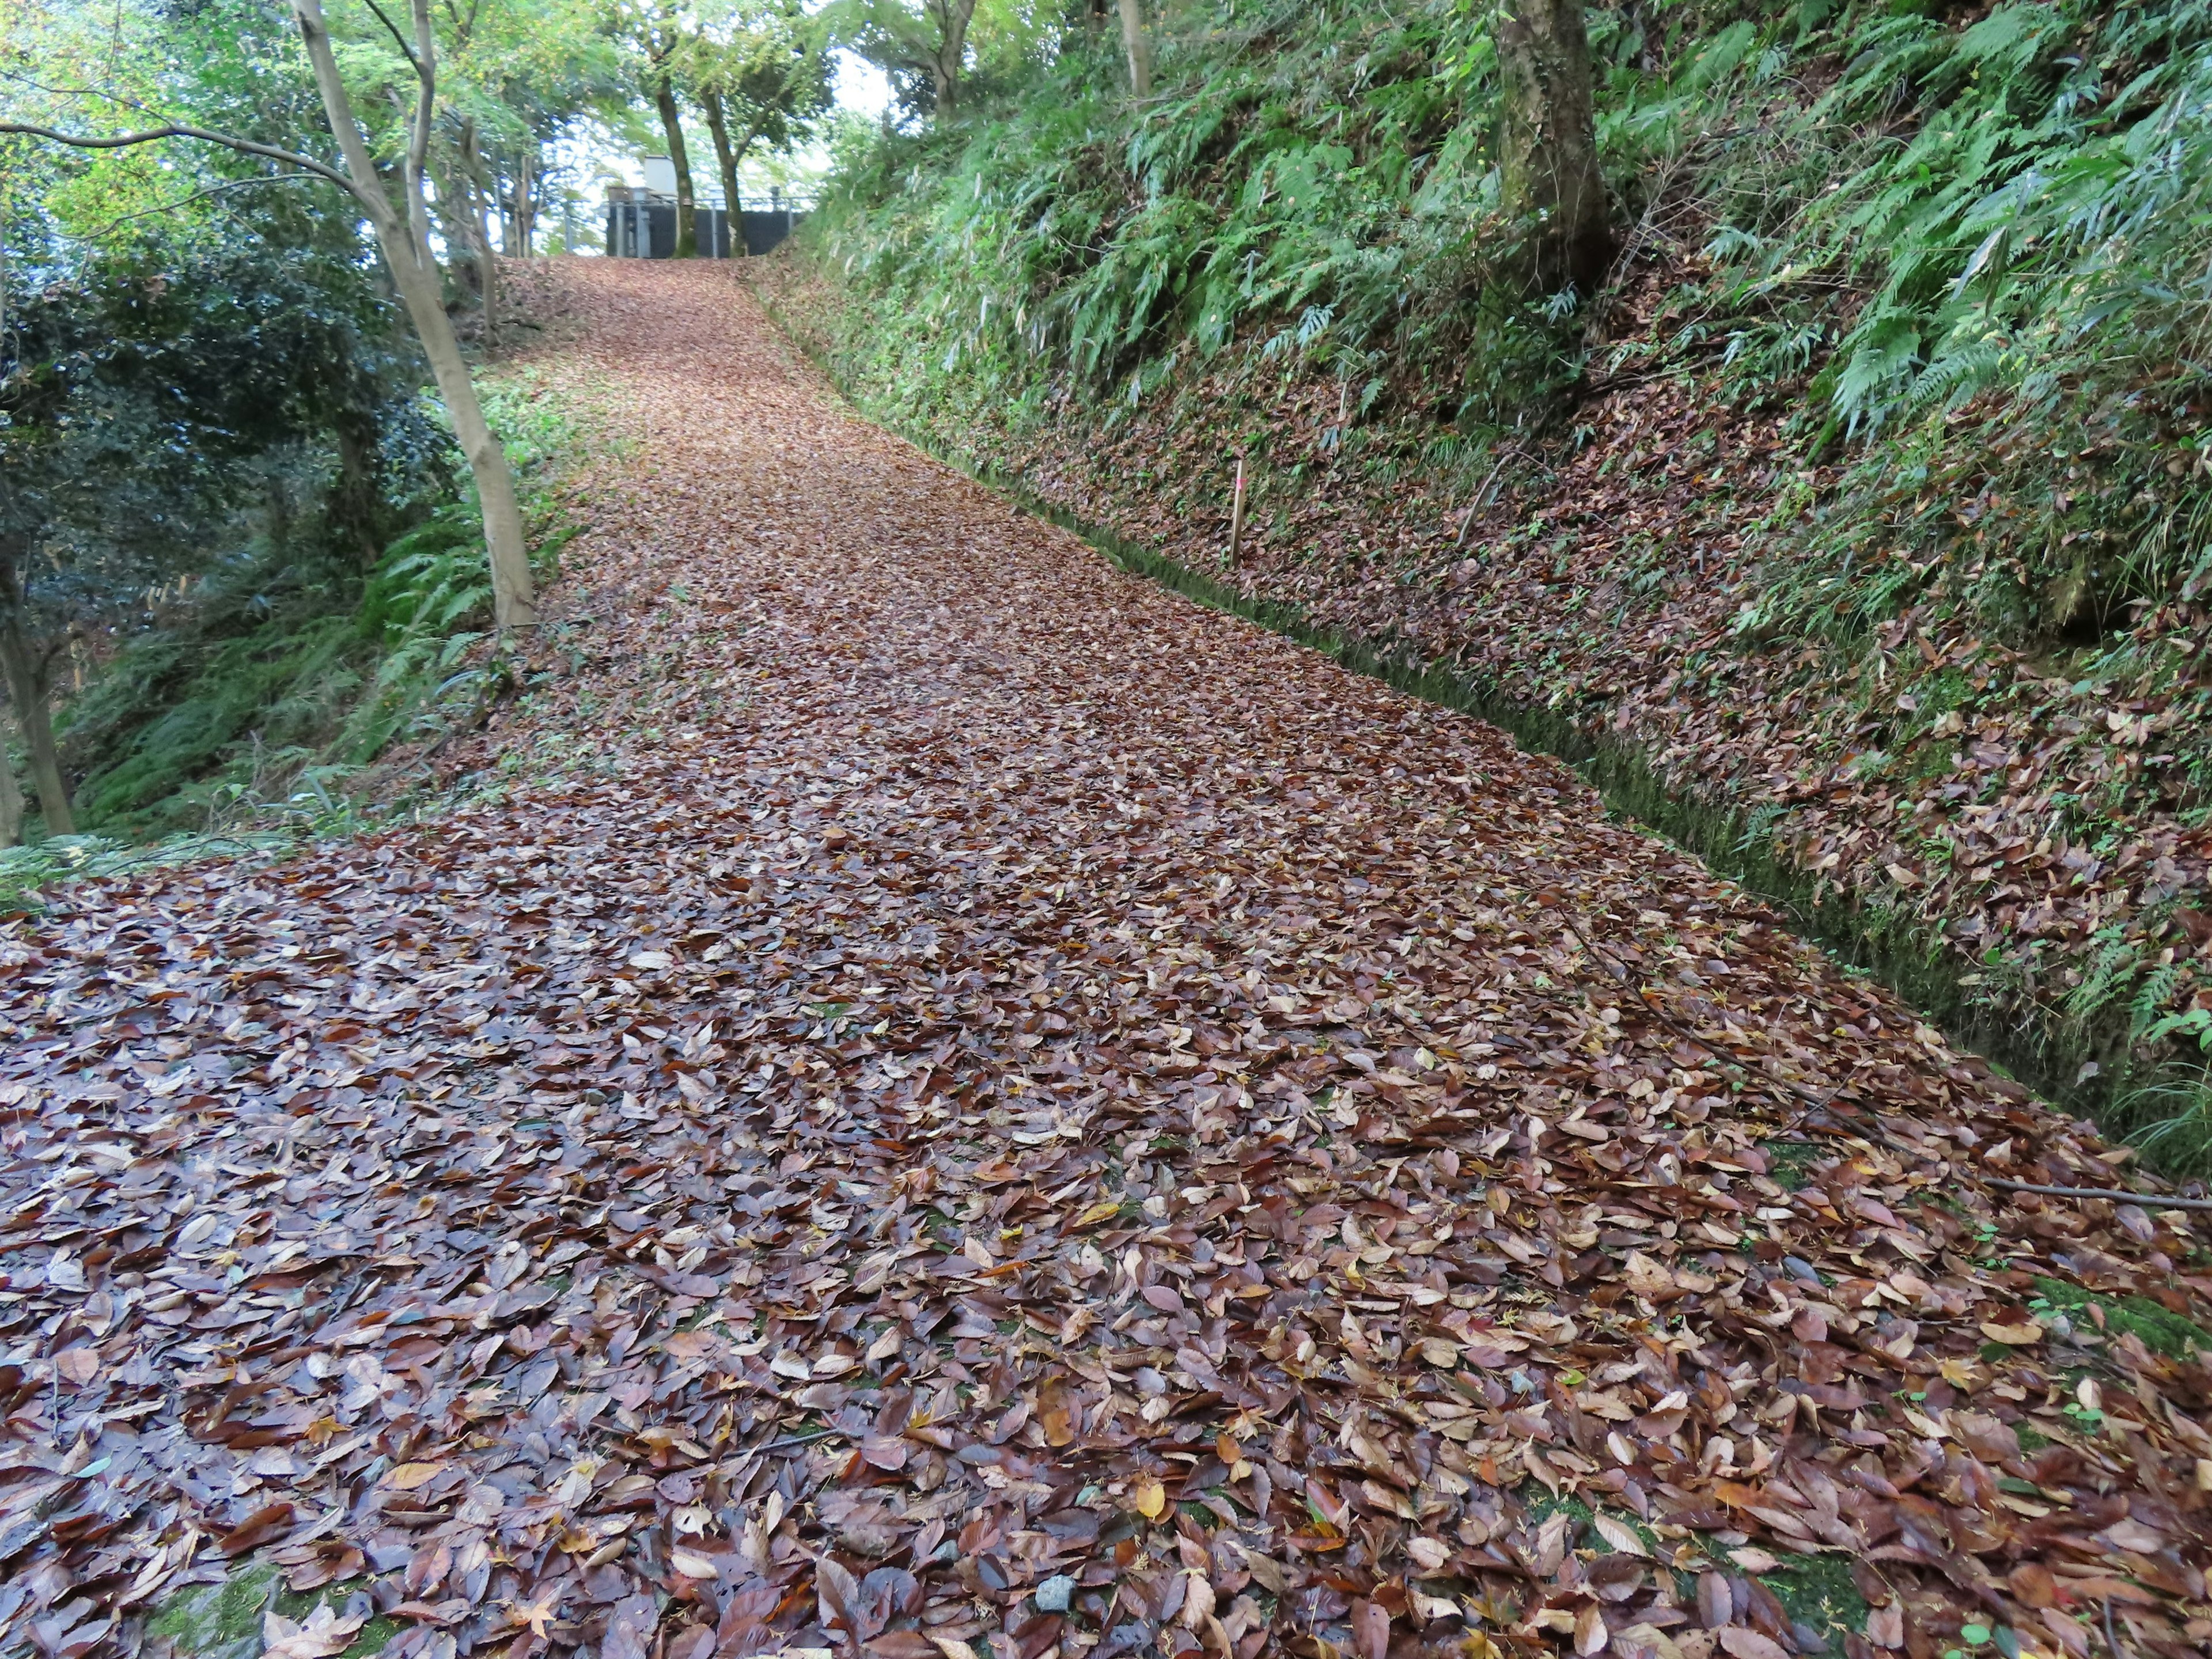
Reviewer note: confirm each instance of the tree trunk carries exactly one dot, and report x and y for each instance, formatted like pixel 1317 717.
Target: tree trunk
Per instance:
pixel 953 18
pixel 525 206
pixel 1553 183
pixel 460 226
pixel 1140 49
pixel 407 254
pixel 671 121
pixel 479 203
pixel 11 795
pixel 27 690
pixel 514 603
pixel 725 161
pixel 357 506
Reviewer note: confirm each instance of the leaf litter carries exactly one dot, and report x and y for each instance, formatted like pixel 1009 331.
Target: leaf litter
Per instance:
pixel 955 1103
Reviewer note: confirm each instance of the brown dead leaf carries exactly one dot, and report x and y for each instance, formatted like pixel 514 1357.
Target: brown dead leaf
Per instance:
pixel 266 1524
pixel 322 1633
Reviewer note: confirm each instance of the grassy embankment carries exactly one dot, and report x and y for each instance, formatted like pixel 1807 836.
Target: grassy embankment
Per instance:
pixel 1855 535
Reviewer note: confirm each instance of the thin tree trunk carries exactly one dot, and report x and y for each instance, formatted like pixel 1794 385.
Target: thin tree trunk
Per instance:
pixel 525 206
pixel 725 161
pixel 11 795
pixel 407 253
pixel 672 120
pixel 1552 179
pixel 26 690
pixel 479 202
pixel 1138 47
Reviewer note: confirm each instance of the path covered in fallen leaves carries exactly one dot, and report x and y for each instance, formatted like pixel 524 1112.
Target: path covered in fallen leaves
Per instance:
pixel 959 1102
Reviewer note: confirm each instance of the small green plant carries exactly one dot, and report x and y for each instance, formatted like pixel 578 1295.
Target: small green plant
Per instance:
pixel 2170 1116
pixel 2090 1420
pixel 1974 1636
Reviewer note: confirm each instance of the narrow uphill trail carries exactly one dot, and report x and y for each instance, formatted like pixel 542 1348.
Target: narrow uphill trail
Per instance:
pixel 959 1102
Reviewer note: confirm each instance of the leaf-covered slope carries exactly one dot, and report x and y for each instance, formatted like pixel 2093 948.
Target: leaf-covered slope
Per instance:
pixel 960 1101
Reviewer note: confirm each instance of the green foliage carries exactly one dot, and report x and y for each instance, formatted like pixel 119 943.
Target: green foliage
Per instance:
pixel 2005 274
pixel 2171 1118
pixel 1321 193
pixel 278 676
pixel 140 384
pixel 968 46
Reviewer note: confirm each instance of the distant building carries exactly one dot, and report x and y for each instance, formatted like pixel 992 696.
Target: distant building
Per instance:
pixel 640 219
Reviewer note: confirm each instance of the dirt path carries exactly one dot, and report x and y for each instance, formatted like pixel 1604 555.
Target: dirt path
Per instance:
pixel 960 1099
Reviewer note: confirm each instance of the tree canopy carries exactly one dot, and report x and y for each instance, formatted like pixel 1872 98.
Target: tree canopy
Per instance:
pixel 193 196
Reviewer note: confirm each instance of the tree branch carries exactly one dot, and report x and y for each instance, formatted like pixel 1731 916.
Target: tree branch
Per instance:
pixel 426 116
pixel 2156 1200
pixel 200 195
pixel 244 146
pixel 406 50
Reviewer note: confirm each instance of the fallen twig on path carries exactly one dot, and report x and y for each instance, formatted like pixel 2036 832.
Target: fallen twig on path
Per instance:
pixel 2159 1200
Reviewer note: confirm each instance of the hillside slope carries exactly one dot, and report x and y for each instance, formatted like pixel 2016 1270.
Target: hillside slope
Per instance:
pixel 1865 509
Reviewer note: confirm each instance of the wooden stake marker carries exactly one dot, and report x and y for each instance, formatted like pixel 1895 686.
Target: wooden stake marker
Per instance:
pixel 1236 517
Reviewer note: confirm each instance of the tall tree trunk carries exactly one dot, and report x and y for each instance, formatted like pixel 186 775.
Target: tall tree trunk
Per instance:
pixel 1138 49
pixel 26 690
pixel 671 121
pixel 11 795
pixel 1552 182
pixel 953 18
pixel 725 161
pixel 406 249
pixel 478 186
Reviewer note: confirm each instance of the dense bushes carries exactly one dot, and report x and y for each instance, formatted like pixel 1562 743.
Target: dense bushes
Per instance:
pixel 285 667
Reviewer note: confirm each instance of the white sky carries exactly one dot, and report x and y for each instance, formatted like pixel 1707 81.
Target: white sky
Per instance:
pixel 861 87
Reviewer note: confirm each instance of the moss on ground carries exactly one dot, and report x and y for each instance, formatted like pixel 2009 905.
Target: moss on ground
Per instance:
pixel 217 1621
pixel 2160 1329
pixel 1816 1591
pixel 224 1620
pixel 1790 1163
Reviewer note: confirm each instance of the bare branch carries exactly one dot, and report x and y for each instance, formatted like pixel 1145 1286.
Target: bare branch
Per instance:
pixel 2121 1194
pixel 21 80
pixel 244 146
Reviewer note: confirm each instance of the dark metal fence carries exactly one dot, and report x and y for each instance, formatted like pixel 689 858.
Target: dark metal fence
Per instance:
pixel 646 230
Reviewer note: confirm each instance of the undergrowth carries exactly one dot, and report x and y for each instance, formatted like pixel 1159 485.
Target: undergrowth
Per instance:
pixel 250 712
